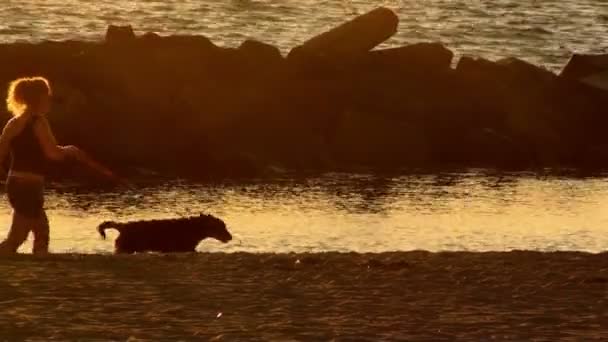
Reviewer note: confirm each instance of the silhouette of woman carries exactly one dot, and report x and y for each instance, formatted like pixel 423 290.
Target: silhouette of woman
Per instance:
pixel 29 139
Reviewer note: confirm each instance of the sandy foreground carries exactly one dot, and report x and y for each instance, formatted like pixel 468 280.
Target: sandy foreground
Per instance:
pixel 413 296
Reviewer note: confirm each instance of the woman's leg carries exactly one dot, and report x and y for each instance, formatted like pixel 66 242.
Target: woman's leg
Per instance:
pixel 17 234
pixel 40 228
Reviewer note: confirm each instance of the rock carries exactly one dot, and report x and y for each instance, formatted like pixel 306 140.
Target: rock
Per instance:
pixel 582 66
pixel 470 64
pixel 502 84
pixel 262 52
pixel 184 44
pixel 354 37
pixel 489 147
pixel 591 70
pixel 582 94
pixel 534 118
pixel 421 57
pixel 480 91
pixel 522 99
pixel 509 70
pixel 150 37
pixel 119 34
pixel 365 139
pixel 234 164
pixel 69 105
pixel 598 80
pixel 259 61
pixel 413 82
pixel 522 71
pixel 234 111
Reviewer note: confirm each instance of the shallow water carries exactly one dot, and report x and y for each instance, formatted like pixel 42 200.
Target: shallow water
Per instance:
pixel 474 211
pixel 543 32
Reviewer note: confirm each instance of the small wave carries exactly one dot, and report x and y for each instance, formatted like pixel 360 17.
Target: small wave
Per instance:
pixel 12 31
pixel 163 7
pixel 539 30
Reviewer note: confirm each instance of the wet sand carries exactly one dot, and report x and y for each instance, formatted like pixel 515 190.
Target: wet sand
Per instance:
pixel 410 296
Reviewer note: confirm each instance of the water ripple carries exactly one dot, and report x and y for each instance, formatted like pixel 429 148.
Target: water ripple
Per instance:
pixel 532 30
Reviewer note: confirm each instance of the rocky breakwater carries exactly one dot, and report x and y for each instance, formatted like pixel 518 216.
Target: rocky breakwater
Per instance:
pixel 185 105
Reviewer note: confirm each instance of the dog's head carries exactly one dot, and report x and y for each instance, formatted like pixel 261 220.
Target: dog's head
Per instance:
pixel 212 226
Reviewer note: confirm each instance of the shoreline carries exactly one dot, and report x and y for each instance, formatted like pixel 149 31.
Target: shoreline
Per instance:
pixel 417 295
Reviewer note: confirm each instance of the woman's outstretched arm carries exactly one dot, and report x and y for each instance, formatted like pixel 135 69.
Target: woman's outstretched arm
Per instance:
pixel 83 157
pixel 47 141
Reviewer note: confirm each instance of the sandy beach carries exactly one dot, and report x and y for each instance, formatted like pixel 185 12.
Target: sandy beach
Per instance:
pixel 414 296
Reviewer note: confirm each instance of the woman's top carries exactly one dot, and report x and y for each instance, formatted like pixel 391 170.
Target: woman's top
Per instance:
pixel 26 152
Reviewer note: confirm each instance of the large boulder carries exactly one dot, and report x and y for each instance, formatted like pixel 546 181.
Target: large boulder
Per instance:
pixel 598 80
pixel 420 57
pixel 518 70
pixel 581 66
pixel 259 63
pixel 116 34
pixel 371 140
pixel 489 147
pixel 591 70
pixel 521 97
pixel 480 91
pixel 150 73
pixel 411 82
pixel 354 37
pixel 260 52
pixel 182 102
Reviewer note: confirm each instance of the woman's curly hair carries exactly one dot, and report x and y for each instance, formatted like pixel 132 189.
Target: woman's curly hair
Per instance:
pixel 26 92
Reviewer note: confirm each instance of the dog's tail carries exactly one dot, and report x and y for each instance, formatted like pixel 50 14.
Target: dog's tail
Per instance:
pixel 107 225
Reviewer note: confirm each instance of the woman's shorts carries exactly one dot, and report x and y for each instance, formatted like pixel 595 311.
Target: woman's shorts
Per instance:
pixel 26 196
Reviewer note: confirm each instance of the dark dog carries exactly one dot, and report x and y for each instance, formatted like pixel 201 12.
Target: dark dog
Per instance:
pixel 171 235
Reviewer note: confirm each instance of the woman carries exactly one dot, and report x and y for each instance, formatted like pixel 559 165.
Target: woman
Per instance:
pixel 30 141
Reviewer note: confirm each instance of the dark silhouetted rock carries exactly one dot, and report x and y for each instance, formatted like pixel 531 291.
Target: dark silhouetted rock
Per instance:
pixel 488 147
pixel 354 37
pixel 581 66
pixel 481 91
pixel 519 70
pixel 150 36
pixel 364 139
pixel 261 51
pixel 420 57
pixel 119 34
pixel 591 70
pixel 180 43
pixel 506 70
pixel 599 80
pixel 520 98
pixel 182 105
pixel 500 86
pixel 259 61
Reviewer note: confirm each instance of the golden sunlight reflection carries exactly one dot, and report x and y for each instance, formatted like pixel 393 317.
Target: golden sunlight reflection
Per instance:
pixel 353 213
